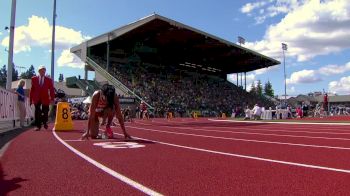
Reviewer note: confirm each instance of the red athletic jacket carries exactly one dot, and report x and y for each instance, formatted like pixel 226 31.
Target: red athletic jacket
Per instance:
pixel 44 93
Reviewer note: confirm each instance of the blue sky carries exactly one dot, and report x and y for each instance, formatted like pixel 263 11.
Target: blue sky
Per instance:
pixel 317 33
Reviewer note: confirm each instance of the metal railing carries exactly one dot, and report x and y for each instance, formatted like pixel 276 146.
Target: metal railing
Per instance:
pixel 86 87
pixel 116 83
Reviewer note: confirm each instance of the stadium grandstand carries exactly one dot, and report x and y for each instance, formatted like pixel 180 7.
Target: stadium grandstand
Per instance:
pixel 171 67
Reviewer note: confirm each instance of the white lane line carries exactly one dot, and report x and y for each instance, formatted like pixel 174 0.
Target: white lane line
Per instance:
pixel 94 140
pixel 244 140
pixel 268 129
pixel 288 123
pixel 261 129
pixel 317 129
pixel 248 157
pixel 266 134
pixel 111 172
pixel 318 126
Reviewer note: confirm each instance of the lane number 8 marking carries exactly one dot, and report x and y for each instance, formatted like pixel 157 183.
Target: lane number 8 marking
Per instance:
pixel 119 145
pixel 65 113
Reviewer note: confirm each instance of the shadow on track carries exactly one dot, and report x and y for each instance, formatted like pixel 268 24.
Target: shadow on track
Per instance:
pixel 9 185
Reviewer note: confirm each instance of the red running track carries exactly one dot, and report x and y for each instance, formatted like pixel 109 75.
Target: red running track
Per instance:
pixel 181 157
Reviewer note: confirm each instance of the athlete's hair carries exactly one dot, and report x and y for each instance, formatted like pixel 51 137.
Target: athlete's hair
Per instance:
pixel 109 92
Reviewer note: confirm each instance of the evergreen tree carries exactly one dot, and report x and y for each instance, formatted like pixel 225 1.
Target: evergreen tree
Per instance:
pixel 259 88
pixel 268 89
pixel 14 74
pixel 3 76
pixel 60 78
pixel 253 88
pixel 29 73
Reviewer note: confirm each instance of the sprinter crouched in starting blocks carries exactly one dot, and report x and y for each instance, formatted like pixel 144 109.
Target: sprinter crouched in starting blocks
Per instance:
pixel 104 103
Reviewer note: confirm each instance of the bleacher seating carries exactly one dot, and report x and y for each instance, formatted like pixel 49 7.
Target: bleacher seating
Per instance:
pixel 167 89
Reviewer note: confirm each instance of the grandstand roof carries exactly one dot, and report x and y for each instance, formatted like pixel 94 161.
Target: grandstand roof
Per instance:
pixel 161 41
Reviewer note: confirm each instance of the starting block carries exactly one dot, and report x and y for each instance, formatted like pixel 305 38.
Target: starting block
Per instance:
pixel 63 120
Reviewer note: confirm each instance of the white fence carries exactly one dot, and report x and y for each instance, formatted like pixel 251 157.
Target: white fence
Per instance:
pixel 9 112
pixel 279 114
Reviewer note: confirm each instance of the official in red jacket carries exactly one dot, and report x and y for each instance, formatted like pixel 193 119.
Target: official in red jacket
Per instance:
pixel 42 94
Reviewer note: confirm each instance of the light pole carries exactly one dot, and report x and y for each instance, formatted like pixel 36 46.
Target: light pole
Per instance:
pixel 10 55
pixel 284 48
pixel 241 40
pixel 53 43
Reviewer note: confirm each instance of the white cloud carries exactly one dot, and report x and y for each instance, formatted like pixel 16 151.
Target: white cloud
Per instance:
pixel 266 70
pixel 0 33
pixel 269 9
pixel 37 33
pixel 334 69
pixel 68 59
pixel 341 87
pixel 291 90
pixel 304 76
pixel 233 78
pixel 312 76
pixel 261 71
pixel 310 28
pixel 250 78
pixel 249 7
pixel 249 85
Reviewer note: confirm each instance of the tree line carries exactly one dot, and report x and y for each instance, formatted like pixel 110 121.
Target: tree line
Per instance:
pixel 15 75
pixel 260 90
pixel 28 74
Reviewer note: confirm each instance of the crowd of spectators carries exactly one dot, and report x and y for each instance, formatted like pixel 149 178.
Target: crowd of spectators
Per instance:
pixel 339 110
pixel 170 90
pixel 304 110
pixel 79 111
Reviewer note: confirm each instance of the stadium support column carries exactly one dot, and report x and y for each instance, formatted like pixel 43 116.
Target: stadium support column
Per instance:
pixel 10 54
pixel 86 73
pixel 245 80
pixel 241 80
pixel 241 41
pixel 107 66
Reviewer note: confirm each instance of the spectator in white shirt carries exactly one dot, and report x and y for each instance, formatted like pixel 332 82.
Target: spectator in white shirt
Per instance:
pixel 256 112
pixel 248 113
pixel 233 115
